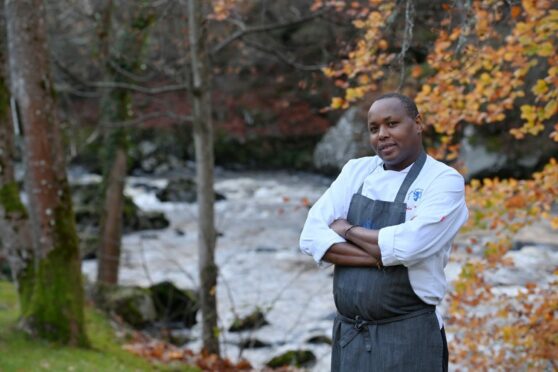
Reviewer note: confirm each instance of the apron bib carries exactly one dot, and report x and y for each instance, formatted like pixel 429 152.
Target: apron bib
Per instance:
pixel 382 325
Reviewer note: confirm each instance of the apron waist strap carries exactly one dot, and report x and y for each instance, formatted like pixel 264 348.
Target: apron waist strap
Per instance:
pixel 361 326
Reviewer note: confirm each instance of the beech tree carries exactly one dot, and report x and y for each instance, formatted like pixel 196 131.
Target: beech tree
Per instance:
pixel 55 306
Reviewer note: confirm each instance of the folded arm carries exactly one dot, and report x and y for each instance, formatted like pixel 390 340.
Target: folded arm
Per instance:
pixel 362 238
pixel 347 254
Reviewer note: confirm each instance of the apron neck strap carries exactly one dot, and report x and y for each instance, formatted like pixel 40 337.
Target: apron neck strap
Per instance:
pixel 411 177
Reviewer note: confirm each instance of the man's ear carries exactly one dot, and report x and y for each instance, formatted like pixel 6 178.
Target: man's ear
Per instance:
pixel 418 124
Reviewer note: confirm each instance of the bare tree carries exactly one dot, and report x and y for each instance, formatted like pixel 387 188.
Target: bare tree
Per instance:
pixel 203 138
pixel 55 309
pixel 14 222
pixel 119 64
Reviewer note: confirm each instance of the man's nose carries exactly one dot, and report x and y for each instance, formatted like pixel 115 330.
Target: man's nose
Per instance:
pixel 383 132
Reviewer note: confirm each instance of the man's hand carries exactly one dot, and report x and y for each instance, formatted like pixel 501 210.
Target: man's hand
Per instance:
pixel 340 226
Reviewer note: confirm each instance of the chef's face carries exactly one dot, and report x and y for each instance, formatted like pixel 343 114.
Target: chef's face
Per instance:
pixel 394 135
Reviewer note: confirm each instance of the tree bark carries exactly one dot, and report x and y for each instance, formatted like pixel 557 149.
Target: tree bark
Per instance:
pixel 116 107
pixel 14 222
pixel 111 224
pixel 55 309
pixel 203 139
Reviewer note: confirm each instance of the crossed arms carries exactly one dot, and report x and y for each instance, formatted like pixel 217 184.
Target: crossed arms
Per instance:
pixel 361 248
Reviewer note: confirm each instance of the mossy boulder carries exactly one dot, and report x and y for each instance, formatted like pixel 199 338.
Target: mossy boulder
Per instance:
pixel 293 358
pixel 320 339
pixel 253 343
pixel 133 304
pixel 173 305
pixel 254 320
pixel 181 190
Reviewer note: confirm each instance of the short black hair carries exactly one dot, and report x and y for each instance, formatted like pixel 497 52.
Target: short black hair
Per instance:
pixel 408 104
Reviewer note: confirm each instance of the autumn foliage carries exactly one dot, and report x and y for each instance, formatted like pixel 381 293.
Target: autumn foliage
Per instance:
pixel 493 63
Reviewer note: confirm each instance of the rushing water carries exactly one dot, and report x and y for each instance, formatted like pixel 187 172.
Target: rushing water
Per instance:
pixel 260 265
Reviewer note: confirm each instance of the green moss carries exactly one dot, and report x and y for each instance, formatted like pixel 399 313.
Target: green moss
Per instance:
pixel 19 352
pixel 254 320
pixel 9 198
pixel 295 358
pixel 55 311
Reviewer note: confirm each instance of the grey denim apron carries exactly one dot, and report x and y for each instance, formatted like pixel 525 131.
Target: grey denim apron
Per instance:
pixel 382 325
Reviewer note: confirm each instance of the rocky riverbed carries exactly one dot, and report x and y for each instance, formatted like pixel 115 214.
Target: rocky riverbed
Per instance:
pixel 259 223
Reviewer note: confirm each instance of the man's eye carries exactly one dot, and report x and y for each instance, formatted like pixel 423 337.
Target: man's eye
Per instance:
pixel 392 123
pixel 373 129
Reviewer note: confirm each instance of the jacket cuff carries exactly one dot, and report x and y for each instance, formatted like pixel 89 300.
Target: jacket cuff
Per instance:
pixel 386 242
pixel 322 247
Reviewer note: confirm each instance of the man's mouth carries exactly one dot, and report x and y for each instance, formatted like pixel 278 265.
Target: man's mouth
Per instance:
pixel 387 147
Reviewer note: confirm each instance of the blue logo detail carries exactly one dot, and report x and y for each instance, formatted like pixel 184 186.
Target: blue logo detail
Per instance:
pixel 415 194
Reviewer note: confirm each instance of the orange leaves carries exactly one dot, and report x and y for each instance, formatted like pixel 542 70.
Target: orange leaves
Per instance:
pixel 164 352
pixel 222 9
pixel 363 68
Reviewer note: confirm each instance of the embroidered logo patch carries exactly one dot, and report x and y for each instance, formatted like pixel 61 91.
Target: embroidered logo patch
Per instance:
pixel 416 194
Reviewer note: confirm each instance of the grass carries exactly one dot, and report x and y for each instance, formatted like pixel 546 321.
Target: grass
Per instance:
pixel 19 352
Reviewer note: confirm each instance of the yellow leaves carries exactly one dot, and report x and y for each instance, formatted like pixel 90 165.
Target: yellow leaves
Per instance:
pixel 359 23
pixel 352 94
pixel 540 87
pixel 550 109
pixel 382 44
pixel 546 49
pixel 528 112
pixel 426 89
pixel 337 103
pixel 554 223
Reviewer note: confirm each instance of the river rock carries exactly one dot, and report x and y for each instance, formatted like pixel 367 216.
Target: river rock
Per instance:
pixel 348 139
pixel 293 358
pixel 253 343
pixel 181 190
pixel 174 305
pixel 320 339
pixel 133 304
pixel 532 264
pixel 253 321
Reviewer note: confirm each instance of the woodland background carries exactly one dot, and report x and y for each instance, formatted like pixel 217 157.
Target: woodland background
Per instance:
pixel 193 92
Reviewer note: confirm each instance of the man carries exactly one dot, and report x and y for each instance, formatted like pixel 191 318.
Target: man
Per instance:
pixel 387 223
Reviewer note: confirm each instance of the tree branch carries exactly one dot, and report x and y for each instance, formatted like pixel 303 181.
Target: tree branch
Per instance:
pixel 255 29
pixel 150 116
pixel 283 57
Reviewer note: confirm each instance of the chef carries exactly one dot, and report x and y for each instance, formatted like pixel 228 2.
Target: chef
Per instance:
pixel 387 224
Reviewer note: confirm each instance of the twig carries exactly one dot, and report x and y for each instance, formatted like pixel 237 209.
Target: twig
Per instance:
pixel 256 29
pixel 283 57
pixel 407 38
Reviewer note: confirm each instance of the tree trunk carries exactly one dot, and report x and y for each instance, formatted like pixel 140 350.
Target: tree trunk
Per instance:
pixel 203 139
pixel 55 309
pixel 116 107
pixel 14 222
pixel 111 231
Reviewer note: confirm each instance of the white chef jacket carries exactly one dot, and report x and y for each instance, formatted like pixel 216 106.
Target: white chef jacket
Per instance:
pixel 436 210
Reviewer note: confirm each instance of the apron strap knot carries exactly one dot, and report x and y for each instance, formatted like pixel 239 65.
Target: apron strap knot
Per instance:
pixel 359 326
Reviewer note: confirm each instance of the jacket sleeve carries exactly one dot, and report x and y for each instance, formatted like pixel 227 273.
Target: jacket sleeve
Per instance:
pixel 316 237
pixel 435 223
